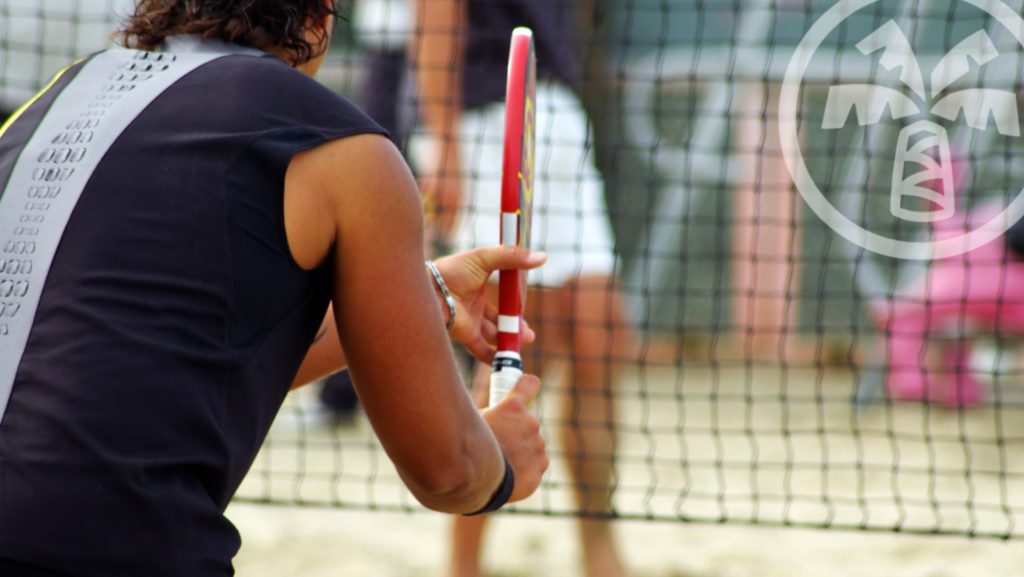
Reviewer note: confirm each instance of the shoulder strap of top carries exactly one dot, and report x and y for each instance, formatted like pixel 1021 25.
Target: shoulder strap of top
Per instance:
pixel 45 182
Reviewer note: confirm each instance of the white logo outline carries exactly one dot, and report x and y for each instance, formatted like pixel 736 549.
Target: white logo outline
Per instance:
pixel 812 195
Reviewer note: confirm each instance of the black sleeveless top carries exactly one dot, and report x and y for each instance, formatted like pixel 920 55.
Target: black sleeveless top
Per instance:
pixel 170 326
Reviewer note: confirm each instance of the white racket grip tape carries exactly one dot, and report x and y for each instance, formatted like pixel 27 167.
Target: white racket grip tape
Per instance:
pixel 509 228
pixel 506 369
pixel 508 324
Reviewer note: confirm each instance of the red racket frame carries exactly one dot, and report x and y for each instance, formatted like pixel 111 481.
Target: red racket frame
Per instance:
pixel 517 177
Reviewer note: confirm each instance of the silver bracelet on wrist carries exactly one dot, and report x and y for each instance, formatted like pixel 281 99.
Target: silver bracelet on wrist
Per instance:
pixel 448 298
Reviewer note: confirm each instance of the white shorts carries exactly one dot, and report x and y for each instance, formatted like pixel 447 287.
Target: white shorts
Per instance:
pixel 570 219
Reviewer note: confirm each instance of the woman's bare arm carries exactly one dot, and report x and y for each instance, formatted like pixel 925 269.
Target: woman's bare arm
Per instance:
pixel 392 330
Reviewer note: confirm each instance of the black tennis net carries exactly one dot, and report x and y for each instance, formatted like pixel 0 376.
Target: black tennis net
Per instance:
pixel 809 309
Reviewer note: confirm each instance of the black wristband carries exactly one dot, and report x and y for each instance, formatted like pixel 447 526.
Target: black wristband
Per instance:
pixel 503 494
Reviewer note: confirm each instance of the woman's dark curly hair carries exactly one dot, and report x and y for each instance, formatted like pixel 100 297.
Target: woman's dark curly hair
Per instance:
pixel 264 24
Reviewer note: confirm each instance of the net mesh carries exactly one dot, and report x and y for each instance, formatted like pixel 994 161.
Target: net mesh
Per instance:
pixel 821 318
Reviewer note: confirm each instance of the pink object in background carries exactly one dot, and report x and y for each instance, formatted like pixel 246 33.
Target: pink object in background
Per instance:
pixel 981 291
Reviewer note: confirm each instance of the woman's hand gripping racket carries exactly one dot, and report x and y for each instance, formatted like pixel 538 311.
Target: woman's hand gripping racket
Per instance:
pixel 516 205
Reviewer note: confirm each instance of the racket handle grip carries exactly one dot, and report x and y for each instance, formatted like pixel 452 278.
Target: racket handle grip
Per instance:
pixel 506 369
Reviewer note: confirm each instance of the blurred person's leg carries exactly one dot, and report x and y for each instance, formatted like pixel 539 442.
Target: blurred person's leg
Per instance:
pixel 598 341
pixel 468 533
pixel 467 546
pixel 766 240
pixel 580 328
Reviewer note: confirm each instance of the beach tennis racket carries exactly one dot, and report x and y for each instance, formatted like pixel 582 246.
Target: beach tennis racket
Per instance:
pixel 516 205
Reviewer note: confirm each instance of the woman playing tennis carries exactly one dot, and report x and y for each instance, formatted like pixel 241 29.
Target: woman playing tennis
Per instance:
pixel 175 220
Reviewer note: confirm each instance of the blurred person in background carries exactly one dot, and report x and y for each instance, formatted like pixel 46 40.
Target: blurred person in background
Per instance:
pixel 461 52
pixel 383 29
pixel 38 38
pixel 175 221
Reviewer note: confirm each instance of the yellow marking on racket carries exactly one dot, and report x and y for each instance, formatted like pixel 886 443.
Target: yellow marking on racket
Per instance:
pixel 527 181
